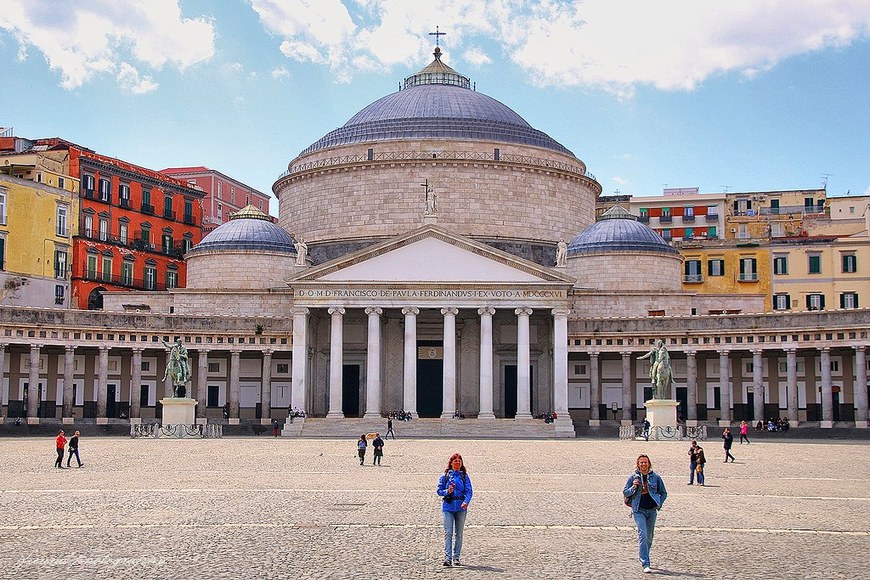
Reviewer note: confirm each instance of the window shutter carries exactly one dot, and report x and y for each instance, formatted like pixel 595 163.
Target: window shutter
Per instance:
pixel 809 303
pixel 742 267
pixel 736 206
pixel 821 301
pixel 754 266
pixel 686 268
pixel 709 267
pixel 842 300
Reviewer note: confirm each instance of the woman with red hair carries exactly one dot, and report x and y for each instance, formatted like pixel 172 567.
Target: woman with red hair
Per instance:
pixel 454 487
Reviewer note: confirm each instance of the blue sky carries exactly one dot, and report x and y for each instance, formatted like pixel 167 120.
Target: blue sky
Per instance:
pixel 744 95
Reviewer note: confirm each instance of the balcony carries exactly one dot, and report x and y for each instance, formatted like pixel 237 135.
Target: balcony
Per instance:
pixel 124 202
pixel 88 193
pixel 174 251
pixel 169 214
pixel 121 281
pixel 748 277
pixel 148 208
pixel 188 219
pixel 689 219
pixel 693 278
pixel 644 219
pixel 666 219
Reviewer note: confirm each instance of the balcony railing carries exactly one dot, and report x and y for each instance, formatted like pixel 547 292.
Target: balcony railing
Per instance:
pixel 644 219
pixel 188 219
pixel 689 219
pixel 124 202
pixel 89 193
pixel 148 208
pixel 122 281
pixel 666 219
pixel 748 277
pixel 169 214
pixel 693 278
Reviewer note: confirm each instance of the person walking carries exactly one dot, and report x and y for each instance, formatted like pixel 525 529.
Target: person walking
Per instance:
pixel 455 490
pixel 74 450
pixel 378 446
pixel 60 443
pixel 648 494
pixel 728 441
pixel 744 432
pixel 646 429
pixel 390 429
pixel 693 462
pixel 275 427
pixel 700 462
pixel 361 448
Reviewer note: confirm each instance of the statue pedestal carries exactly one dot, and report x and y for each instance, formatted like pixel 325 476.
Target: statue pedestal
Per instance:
pixel 661 413
pixel 178 411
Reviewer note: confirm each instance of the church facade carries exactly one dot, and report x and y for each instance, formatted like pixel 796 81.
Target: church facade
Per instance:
pixel 437 255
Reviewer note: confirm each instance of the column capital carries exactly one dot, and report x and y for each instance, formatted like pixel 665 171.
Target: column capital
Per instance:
pixel 70 347
pixel 333 310
pixel 103 348
pixel 561 311
pixel 723 351
pixel 825 349
pixel 790 349
pixel 860 347
pixel 235 352
pixel 523 311
pixel 626 353
pixel 690 352
pixel 756 351
pixel 135 349
pixel 36 346
pixel 486 311
pixel 410 310
pixel 267 351
pixel 594 354
pixel 300 310
pixel 374 311
pixel 449 311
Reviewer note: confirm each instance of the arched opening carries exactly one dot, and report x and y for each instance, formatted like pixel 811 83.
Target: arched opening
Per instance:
pixel 95 298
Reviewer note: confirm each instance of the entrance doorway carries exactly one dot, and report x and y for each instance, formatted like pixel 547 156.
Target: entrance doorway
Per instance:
pixel 835 403
pixel 430 378
pixel 110 401
pixel 510 390
pixel 350 390
pixel 682 402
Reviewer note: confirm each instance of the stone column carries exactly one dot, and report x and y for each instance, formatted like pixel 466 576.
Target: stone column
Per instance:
pixel 791 384
pixel 68 379
pixel 201 385
pixel 409 384
pixel 102 385
pixel 2 373
pixel 724 389
pixel 486 379
pixel 373 364
pixel 524 379
pixel 827 390
pixel 691 388
pixel 861 411
pixel 300 358
pixel 33 390
pixel 757 386
pixel 234 386
pixel 266 389
pixel 448 393
pixel 594 391
pixel 564 423
pixel 336 362
pixel 626 387
pixel 136 386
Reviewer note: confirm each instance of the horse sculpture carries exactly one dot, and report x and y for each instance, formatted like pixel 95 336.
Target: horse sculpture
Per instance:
pixel 660 374
pixel 177 368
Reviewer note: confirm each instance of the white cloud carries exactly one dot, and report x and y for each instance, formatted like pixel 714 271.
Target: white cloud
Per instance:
pixel 280 72
pixel 615 45
pixel 619 180
pixel 87 39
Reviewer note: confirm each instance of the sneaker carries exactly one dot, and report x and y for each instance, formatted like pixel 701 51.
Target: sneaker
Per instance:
pixel 690 483
pixel 448 563
pixel 647 569
pixel 457 563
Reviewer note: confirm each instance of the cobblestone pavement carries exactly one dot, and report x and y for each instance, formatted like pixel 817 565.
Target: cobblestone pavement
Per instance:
pixel 282 508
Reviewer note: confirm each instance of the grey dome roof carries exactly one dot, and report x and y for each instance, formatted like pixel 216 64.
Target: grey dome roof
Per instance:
pixel 437 103
pixel 247 229
pixel 617 230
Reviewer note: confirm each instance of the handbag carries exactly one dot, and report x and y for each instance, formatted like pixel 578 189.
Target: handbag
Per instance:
pixel 699 468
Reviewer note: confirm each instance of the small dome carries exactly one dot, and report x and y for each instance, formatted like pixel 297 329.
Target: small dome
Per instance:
pixel 247 229
pixel 618 230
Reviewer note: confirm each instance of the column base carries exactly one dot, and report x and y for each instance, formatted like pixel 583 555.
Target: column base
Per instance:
pixel 265 421
pixel 135 420
pixel 724 423
pixel 595 422
pixel 447 415
pixel 372 415
pixel 67 420
pixel 691 423
pixel 523 416
pixel 335 415
pixel 862 424
pixel 826 424
pixel 564 426
pixel 102 420
pixel 33 420
pixel 233 421
pixel 486 416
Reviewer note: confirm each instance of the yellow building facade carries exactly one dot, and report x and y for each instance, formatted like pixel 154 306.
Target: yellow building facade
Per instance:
pixel 726 268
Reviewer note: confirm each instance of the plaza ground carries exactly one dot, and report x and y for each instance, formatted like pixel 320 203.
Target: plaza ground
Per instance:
pixel 282 508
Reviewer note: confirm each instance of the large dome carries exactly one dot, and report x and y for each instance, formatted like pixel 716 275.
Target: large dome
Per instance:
pixel 618 231
pixel 437 103
pixel 247 229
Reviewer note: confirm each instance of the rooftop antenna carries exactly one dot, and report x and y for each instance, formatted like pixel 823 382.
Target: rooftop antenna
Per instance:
pixel 825 177
pixel 725 188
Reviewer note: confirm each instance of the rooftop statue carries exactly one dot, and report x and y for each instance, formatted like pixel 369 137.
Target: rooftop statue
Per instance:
pixel 561 253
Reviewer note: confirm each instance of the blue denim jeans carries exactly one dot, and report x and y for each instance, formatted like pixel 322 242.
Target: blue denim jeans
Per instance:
pixel 454 523
pixel 646 525
pixel 692 467
pixel 701 476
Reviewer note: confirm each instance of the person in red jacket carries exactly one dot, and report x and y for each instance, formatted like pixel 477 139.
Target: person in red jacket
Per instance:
pixel 60 442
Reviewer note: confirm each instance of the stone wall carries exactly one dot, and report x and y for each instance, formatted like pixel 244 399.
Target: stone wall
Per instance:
pixel 627 271
pixel 239 269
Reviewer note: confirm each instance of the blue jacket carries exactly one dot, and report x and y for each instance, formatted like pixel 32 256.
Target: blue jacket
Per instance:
pixel 655 485
pixel 461 490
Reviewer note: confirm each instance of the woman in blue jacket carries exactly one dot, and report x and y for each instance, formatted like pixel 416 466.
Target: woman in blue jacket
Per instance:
pixel 454 487
pixel 648 494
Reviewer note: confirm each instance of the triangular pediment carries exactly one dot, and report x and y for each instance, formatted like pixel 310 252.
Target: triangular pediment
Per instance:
pixel 431 254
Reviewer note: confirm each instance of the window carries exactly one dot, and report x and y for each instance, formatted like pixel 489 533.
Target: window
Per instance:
pixel 815 265
pixel 62 225
pixel 815 301
pixel 692 271
pixel 124 195
pixel 2 253
pixel 776 230
pixel 61 183
pixel 580 370
pixel 666 212
pixel 60 262
pixel 91 267
pixel 742 232
pixel 780 265
pixel 58 294
pixel 88 185
pixel 122 232
pixel 283 368
pixel 104 230
pixel 150 278
pixel 712 211
pixel 781 302
pixel 688 212
pixel 186 243
pixel 716 267
pixel 89 226
pixel 167 243
pixel 2 206
pixel 188 211
pixel 666 234
pixel 127 273
pixel 748 271
pixel 214 367
pixel 171 279
pixel 107 268
pixel 849 300
pixel 146 366
pixel 850 263
pixel 105 190
pixel 711 232
pixel 167 207
pixel 690 233
pixel 146 196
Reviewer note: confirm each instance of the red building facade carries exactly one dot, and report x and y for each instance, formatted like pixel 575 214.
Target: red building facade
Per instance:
pixel 135 225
